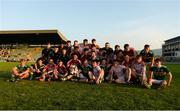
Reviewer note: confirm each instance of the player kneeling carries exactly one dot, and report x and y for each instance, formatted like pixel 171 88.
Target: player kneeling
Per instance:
pixel 21 71
pixel 62 71
pixel 138 71
pixel 50 71
pixel 85 71
pixel 119 73
pixel 97 74
pixel 158 74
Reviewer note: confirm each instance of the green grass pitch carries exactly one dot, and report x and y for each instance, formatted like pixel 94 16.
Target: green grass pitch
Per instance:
pixel 71 95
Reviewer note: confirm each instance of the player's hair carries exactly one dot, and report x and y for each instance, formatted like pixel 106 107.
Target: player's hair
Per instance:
pixel 107 43
pixel 76 47
pixel 74 54
pixel 64 49
pixel 93 40
pixel 115 60
pixel 85 40
pixel 68 41
pixel 23 60
pixel 146 46
pixel 95 61
pixel 85 49
pixel 116 46
pixel 76 41
pixel 157 60
pixel 84 60
pixel 60 60
pixel 138 56
pixel 126 45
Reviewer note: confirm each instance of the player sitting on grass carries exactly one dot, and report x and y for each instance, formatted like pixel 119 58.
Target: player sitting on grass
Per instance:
pixel 62 71
pixel 50 71
pixel 73 66
pixel 85 71
pixel 36 70
pixel 158 74
pixel 138 70
pixel 118 73
pixel 97 75
pixel 21 71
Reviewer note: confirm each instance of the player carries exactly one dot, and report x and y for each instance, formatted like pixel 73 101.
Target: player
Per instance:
pixel 62 71
pixel 64 57
pixel 37 69
pixel 147 55
pixel 84 45
pixel 130 52
pixel 108 51
pixel 93 42
pixel 68 47
pixel 73 66
pixel 118 54
pixel 160 75
pixel 50 71
pixel 47 53
pixel 85 54
pixel 138 70
pixel 76 51
pixel 119 73
pixel 85 71
pixel 93 57
pixel 21 71
pixel 56 55
pixel 97 75
pixel 127 62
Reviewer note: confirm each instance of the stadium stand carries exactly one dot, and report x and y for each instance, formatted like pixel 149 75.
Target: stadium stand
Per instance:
pixel 27 43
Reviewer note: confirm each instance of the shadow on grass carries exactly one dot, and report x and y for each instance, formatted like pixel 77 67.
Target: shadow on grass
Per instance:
pixel 4 75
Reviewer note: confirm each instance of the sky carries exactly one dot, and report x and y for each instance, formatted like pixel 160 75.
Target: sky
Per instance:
pixel 136 22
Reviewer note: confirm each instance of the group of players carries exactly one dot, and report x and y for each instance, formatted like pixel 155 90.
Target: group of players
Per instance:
pixel 87 62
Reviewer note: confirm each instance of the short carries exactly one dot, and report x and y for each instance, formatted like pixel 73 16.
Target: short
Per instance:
pixel 155 81
pixel 140 75
pixel 81 76
pixel 120 79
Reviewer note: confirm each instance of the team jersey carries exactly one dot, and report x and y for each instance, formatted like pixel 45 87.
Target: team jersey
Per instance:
pixel 147 57
pixel 47 53
pixel 56 57
pixel 127 64
pixel 74 62
pixel 22 68
pixel 119 55
pixel 40 67
pixel 159 73
pixel 96 71
pixel 91 59
pixel 139 67
pixel 77 53
pixel 69 49
pixel 108 51
pixel 118 71
pixel 64 59
pixel 62 70
pixel 130 53
pixel 50 67
pixel 86 69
